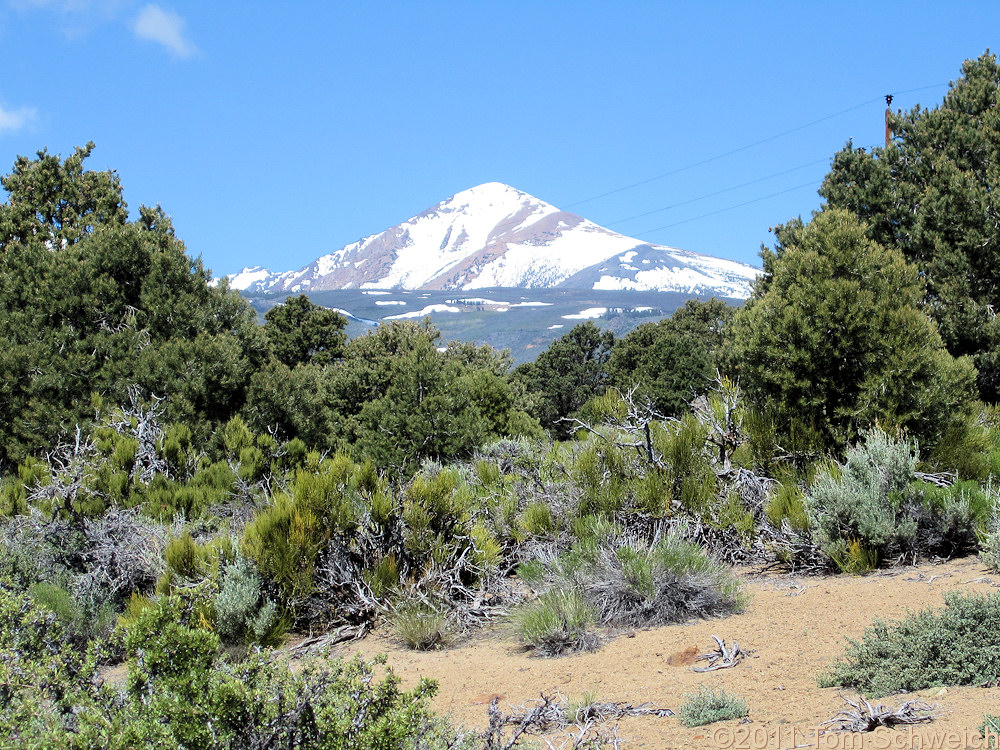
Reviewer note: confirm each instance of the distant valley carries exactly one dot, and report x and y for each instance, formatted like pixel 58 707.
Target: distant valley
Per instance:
pixel 525 321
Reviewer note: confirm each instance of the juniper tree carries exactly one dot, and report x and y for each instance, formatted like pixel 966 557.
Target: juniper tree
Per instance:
pixel 932 193
pixel 834 338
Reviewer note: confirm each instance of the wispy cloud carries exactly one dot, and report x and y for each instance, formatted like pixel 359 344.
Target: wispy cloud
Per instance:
pixel 73 18
pixel 164 27
pixel 15 119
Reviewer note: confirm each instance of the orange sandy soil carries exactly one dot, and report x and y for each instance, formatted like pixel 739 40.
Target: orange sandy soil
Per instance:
pixel 793 632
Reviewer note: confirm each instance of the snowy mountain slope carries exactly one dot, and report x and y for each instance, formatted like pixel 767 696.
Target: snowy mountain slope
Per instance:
pixel 665 269
pixel 492 236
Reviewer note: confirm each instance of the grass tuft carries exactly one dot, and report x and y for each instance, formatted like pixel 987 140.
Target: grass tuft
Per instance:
pixel 419 625
pixel 557 622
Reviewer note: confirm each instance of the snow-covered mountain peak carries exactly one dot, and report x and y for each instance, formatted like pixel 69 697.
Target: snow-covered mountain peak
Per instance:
pixel 493 235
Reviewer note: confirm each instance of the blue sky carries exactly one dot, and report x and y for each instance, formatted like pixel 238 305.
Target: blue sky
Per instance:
pixel 276 132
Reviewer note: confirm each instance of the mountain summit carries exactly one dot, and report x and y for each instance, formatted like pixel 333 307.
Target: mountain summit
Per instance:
pixel 493 235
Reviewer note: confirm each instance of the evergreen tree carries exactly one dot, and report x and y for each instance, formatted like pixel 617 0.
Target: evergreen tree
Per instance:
pixel 301 332
pixel 567 375
pixel 834 339
pixel 91 303
pixel 932 193
pixel 398 397
pixel 55 203
pixel 673 360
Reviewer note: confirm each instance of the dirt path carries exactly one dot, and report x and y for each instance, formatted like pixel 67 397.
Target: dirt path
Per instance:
pixel 797 627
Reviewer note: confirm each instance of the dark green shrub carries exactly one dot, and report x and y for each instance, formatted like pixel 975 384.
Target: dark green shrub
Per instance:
pixel 955 645
pixel 708 706
pixel 181 693
pixel 949 519
pixel 41 674
pixel 171 651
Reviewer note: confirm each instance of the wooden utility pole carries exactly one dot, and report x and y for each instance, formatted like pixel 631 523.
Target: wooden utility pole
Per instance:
pixel 888 111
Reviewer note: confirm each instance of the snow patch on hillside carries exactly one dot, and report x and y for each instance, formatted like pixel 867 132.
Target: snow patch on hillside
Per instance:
pixel 426 311
pixel 589 314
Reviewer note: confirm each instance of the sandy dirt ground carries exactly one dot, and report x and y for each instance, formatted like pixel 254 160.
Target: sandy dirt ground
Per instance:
pixel 796 626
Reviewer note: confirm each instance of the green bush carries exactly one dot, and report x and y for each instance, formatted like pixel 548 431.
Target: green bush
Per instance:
pixel 60 602
pixel 955 645
pixel 382 577
pixel 537 520
pixel 181 693
pixel 557 622
pixel 708 706
pixel 603 475
pixel 283 541
pixel 964 448
pixel 690 476
pixel 989 539
pixel 788 504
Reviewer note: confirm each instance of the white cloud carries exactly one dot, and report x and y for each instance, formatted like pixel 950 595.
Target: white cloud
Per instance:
pixel 164 27
pixel 15 119
pixel 73 18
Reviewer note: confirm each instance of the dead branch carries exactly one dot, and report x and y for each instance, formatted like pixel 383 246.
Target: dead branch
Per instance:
pixel 720 411
pixel 865 717
pixel 140 420
pixel 553 714
pixel 722 657
pixel 940 479
pixel 319 642
pixel 605 710
pixel 630 430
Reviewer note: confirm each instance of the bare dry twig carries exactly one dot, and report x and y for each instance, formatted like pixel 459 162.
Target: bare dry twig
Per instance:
pixel 864 716
pixel 552 713
pixel 722 657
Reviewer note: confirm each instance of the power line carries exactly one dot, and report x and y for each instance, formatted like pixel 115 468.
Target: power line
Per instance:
pixel 724 155
pixel 718 192
pixel 730 208
pixel 747 146
pixel 920 88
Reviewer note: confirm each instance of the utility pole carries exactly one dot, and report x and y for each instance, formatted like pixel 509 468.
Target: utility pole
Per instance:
pixel 888 111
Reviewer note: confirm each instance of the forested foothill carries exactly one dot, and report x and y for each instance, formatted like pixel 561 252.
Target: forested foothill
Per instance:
pixel 180 487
